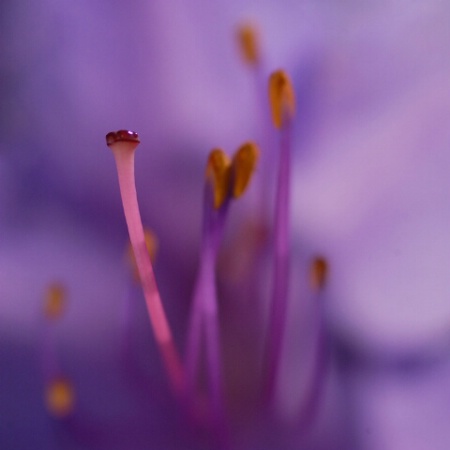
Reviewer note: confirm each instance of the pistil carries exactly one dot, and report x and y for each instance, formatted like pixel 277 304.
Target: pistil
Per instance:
pixel 123 144
pixel 133 283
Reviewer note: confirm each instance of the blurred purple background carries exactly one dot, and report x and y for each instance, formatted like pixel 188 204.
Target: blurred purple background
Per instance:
pixel 371 152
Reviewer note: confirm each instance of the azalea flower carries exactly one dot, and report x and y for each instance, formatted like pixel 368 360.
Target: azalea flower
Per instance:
pixel 363 358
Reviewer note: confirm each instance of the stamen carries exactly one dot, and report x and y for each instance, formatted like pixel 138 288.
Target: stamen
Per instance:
pixel 123 143
pixel 59 393
pixel 243 167
pixel 204 316
pixel 204 312
pixel 60 397
pixel 218 174
pixel 55 301
pixel 282 102
pixel 310 405
pixel 282 98
pixel 318 273
pixel 248 39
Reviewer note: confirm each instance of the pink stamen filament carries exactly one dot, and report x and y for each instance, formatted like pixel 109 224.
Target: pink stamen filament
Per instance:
pixel 310 405
pixel 212 334
pixel 281 266
pixel 50 363
pixel 125 169
pixel 204 315
pixel 266 181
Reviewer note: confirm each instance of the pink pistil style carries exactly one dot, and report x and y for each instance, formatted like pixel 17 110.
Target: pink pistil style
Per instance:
pixel 123 144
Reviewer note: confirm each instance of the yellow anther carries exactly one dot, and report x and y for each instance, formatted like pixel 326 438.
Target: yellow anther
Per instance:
pixel 319 273
pixel 281 97
pixel 55 300
pixel 243 167
pixel 151 242
pixel 60 397
pixel 248 38
pixel 218 174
